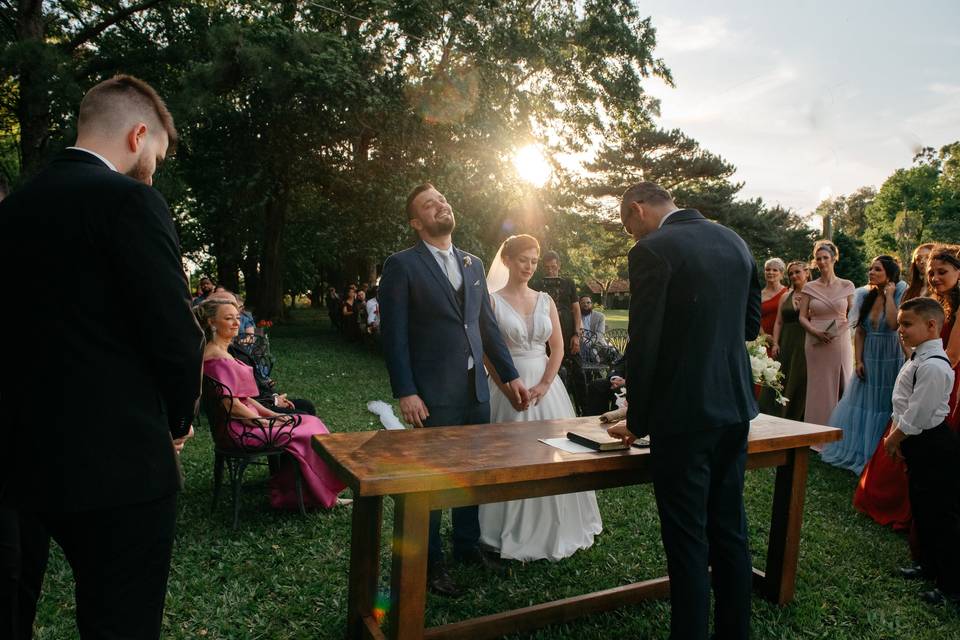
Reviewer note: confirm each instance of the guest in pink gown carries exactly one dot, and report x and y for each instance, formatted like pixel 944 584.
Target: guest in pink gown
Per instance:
pixel 823 315
pixel 220 320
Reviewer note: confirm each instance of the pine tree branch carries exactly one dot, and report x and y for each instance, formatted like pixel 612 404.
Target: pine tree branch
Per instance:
pixel 91 32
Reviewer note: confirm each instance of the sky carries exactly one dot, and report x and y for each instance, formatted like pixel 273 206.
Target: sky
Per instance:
pixel 810 98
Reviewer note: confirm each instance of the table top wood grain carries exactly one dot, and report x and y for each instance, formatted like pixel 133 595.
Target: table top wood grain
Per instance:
pixel 376 463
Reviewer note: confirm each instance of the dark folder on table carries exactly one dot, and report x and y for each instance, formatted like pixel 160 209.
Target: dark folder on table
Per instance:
pixel 597 441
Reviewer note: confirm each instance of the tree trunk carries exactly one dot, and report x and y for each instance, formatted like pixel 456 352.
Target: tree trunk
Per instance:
pixel 251 275
pixel 33 111
pixel 228 275
pixel 270 285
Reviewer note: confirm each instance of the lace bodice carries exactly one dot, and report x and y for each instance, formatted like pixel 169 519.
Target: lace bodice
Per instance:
pixel 524 336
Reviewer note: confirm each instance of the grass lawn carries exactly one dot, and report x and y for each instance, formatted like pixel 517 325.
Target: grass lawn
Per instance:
pixel 616 318
pixel 281 575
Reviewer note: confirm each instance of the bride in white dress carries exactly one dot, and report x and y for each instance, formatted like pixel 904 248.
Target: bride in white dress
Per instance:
pixel 553 527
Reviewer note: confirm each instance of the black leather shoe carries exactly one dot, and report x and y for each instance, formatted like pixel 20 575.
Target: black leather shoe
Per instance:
pixel 913 572
pixel 483 558
pixel 440 582
pixel 938 597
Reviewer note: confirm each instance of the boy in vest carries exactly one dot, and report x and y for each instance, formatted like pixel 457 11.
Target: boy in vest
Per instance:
pixel 929 448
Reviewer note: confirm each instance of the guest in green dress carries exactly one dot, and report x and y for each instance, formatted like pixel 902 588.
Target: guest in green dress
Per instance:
pixel 788 348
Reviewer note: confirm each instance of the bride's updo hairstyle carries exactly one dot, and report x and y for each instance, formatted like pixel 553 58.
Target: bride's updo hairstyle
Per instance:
pixel 206 311
pixel 515 245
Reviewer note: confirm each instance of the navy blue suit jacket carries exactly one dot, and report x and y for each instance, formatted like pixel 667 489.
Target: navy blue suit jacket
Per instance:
pixel 428 338
pixel 694 301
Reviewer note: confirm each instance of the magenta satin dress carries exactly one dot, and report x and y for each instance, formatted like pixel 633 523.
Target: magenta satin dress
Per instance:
pixel 320 485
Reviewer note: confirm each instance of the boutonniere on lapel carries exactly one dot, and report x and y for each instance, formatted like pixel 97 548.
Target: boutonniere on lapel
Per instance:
pixel 467 262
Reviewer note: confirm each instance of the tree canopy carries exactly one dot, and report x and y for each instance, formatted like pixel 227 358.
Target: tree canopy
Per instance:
pixel 304 126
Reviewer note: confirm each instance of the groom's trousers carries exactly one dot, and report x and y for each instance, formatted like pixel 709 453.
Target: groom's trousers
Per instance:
pixel 698 482
pixel 466 520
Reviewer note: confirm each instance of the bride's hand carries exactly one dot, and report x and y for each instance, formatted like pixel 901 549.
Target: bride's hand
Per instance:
pixel 537 392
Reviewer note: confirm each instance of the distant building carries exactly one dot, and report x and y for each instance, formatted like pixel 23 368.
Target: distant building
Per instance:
pixel 618 295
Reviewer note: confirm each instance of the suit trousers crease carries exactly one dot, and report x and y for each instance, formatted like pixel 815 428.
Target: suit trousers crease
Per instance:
pixel 932 458
pixel 466 520
pixel 698 483
pixel 120 559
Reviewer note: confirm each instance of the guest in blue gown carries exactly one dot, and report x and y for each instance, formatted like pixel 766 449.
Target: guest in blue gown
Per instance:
pixel 864 410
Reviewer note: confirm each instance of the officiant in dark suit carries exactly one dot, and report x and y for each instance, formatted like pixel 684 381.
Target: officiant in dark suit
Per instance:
pixel 437 324
pixel 93 466
pixel 694 301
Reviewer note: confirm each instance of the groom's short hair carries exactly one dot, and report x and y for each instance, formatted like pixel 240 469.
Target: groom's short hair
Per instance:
pixel 122 101
pixel 649 192
pixel 417 190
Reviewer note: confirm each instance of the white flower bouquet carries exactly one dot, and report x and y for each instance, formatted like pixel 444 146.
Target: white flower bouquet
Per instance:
pixel 766 370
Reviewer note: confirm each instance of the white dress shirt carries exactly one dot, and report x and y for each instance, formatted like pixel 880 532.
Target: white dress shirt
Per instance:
pixel 373 311
pixel 97 156
pixel 921 394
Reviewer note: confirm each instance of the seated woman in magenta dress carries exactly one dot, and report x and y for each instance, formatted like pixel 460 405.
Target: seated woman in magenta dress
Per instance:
pixel 220 320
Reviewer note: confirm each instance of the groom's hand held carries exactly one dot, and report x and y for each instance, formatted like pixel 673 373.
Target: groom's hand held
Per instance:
pixel 414 410
pixel 519 396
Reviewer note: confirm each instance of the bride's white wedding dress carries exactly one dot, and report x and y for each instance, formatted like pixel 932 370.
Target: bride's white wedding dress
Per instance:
pixel 553 527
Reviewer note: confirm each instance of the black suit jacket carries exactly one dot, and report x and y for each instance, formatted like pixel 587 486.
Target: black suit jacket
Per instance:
pixel 103 354
pixel 694 301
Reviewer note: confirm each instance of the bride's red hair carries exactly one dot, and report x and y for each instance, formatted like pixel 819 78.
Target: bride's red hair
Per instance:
pixel 515 245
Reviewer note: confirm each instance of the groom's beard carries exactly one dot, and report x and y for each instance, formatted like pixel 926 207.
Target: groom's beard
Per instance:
pixel 140 171
pixel 443 227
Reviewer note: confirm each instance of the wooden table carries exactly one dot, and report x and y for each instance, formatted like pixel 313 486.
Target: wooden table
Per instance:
pixel 425 469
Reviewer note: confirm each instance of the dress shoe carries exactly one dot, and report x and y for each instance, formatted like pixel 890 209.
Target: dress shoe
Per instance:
pixel 938 597
pixel 483 558
pixel 440 582
pixel 913 572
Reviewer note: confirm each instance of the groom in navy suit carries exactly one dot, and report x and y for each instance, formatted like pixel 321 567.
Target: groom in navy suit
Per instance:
pixel 437 324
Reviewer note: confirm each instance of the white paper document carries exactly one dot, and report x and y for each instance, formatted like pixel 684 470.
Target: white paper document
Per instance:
pixel 566 445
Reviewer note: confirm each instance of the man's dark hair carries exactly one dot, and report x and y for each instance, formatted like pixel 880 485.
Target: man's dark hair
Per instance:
pixel 417 190
pixel 104 105
pixel 926 308
pixel 550 256
pixel 646 191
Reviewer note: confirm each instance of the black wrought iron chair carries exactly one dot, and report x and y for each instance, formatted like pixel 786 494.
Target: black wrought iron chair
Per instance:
pixel 260 439
pixel 257 346
pixel 617 338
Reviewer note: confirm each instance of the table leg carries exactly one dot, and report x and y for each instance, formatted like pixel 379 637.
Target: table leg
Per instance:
pixel 408 589
pixel 364 563
pixel 783 549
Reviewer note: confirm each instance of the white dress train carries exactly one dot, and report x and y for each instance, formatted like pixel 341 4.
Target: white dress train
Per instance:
pixel 552 527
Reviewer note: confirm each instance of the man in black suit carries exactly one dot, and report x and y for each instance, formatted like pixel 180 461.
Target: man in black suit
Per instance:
pixel 694 301
pixel 94 466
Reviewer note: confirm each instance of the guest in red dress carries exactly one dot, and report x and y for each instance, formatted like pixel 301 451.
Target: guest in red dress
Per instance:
pixel 771 294
pixel 943 272
pixel 770 298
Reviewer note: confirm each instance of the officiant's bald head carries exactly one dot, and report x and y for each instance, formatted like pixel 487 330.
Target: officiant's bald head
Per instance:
pixel 126 121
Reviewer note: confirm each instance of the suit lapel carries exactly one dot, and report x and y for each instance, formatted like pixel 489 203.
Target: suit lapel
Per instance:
pixel 469 294
pixel 431 264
